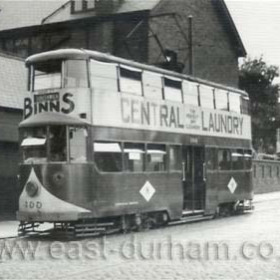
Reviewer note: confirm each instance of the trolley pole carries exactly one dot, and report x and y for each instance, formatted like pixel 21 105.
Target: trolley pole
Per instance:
pixel 191 72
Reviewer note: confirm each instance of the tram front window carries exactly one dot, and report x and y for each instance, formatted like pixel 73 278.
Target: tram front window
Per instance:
pixel 47 75
pixel 77 142
pixel 52 144
pixel 34 145
pixel 58 143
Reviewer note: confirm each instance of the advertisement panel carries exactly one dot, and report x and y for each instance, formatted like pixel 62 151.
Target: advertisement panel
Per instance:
pixel 128 111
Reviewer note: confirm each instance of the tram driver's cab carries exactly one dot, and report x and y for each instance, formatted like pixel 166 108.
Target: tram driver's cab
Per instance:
pixel 54 143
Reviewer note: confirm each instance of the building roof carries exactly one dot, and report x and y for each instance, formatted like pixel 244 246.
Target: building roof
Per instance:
pixel 222 7
pixel 12 82
pixel 25 13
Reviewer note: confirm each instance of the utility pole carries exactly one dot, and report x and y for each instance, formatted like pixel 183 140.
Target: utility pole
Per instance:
pixel 191 72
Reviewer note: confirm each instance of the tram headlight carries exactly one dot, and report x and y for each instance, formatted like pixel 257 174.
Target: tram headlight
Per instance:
pixel 32 188
pixel 59 178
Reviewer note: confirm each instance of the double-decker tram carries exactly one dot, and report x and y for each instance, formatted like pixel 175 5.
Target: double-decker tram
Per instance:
pixel 111 144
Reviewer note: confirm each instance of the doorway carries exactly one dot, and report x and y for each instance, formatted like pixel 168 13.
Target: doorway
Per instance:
pixel 194 181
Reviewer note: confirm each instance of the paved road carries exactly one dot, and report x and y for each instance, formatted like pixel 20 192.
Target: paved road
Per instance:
pixel 240 247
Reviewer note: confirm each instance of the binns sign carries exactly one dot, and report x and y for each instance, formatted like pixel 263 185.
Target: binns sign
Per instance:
pixel 50 102
pixel 64 102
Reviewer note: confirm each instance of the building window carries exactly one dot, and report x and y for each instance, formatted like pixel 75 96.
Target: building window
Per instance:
pixel 21 47
pixel 90 4
pixel 78 6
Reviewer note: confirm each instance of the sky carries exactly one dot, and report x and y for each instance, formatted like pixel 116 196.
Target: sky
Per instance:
pixel 258 23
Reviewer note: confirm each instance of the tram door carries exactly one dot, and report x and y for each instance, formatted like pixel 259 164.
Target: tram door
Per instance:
pixel 194 178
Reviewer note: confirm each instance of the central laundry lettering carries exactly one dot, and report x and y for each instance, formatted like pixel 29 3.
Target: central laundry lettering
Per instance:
pixel 151 114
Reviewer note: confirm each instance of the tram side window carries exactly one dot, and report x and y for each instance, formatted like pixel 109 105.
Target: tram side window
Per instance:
pixel 76 74
pixel 103 75
pixel 152 84
pixel 34 144
pixel 188 163
pixel 248 159
pixel 156 157
pixel 47 75
pixel 211 158
pixel 130 80
pixel 206 97
pixel 237 158
pixel 77 141
pixel 134 155
pixel 58 143
pixel 175 158
pixel 172 90
pixel 245 105
pixel 221 98
pixel 224 161
pixel 190 93
pixel 108 156
pixel 234 102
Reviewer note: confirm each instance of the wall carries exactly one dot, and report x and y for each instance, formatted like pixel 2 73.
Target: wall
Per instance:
pixel 9 160
pixel 266 176
pixel 214 56
pixel 9 192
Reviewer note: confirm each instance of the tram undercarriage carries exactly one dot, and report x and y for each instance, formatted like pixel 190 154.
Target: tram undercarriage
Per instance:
pixel 129 223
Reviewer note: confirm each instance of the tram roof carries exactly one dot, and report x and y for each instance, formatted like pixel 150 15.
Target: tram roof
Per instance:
pixel 64 54
pixel 51 119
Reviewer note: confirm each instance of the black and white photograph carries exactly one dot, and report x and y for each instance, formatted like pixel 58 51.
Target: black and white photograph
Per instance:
pixel 139 139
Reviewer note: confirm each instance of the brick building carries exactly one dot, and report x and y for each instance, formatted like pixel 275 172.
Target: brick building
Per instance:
pixel 145 31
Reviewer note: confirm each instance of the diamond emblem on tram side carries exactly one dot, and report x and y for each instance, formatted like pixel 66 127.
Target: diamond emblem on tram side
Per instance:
pixel 232 185
pixel 147 191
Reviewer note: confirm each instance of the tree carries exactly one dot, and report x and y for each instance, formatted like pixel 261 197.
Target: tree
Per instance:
pixel 256 78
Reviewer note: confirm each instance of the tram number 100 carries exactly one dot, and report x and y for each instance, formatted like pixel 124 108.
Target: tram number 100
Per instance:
pixel 33 204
